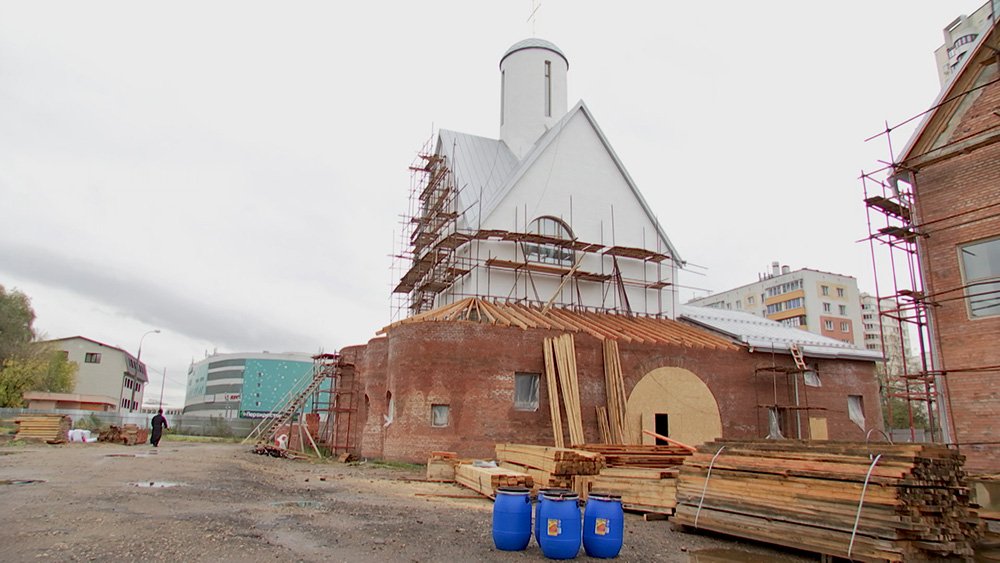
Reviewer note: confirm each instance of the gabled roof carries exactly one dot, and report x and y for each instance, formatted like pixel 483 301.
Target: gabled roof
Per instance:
pixel 479 167
pixel 495 187
pixel 603 326
pixel 949 101
pixel 768 335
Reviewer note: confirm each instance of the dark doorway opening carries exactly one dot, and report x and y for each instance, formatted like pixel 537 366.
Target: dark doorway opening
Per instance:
pixel 662 423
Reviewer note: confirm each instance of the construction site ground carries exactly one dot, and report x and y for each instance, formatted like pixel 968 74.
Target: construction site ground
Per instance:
pixel 215 502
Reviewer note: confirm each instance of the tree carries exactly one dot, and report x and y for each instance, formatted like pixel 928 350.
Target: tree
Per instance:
pixel 16 318
pixel 26 365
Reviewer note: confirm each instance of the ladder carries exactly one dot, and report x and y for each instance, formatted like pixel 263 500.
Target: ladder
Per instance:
pixel 283 413
pixel 797 356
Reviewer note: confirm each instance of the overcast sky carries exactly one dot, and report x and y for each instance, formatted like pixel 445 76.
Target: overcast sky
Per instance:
pixel 233 173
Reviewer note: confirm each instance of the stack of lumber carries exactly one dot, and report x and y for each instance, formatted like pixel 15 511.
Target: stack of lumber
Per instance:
pixel 486 480
pixel 560 360
pixel 129 435
pixel 806 495
pixel 441 467
pixel 50 428
pixel 644 475
pixel 611 420
pixel 548 466
pixel 643 489
pixel 639 455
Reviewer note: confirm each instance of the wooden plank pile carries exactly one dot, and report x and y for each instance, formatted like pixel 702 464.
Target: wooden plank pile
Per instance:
pixel 49 428
pixel 644 475
pixel 486 480
pixel 548 466
pixel 441 467
pixel 560 360
pixel 611 419
pixel 129 435
pixel 914 499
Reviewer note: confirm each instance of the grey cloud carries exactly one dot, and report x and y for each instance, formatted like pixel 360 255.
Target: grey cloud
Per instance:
pixel 149 302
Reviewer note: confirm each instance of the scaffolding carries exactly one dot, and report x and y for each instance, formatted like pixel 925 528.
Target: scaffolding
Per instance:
pixel 789 397
pixel 434 253
pixel 337 403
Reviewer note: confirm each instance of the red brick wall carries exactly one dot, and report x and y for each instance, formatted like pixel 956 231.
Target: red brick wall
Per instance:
pixel 964 184
pixel 471 368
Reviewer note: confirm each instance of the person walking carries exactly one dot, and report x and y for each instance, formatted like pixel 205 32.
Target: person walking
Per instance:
pixel 159 423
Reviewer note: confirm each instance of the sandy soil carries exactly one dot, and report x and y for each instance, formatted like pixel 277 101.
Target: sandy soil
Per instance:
pixel 93 502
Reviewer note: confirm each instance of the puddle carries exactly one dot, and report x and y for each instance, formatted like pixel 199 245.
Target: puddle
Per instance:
pixel 156 484
pixel 721 555
pixel 311 504
pixel 20 481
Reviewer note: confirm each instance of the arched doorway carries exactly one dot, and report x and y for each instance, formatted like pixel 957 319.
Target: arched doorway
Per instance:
pixel 676 403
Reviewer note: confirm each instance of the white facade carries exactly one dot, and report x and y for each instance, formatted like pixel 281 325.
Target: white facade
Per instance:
pixel 819 302
pixel 960 37
pixel 106 371
pixel 552 172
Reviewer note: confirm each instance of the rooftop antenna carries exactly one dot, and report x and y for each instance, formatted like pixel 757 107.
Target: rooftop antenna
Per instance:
pixel 535 5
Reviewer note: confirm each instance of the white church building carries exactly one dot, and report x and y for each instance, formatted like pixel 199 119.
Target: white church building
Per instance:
pixel 546 215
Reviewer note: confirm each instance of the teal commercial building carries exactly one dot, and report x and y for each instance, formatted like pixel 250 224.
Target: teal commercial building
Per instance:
pixel 244 385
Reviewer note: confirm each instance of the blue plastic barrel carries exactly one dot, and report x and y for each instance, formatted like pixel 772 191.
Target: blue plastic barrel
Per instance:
pixel 538 508
pixel 512 518
pixel 561 524
pixel 602 525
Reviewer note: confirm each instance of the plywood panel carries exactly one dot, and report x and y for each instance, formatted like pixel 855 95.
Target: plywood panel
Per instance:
pixel 680 393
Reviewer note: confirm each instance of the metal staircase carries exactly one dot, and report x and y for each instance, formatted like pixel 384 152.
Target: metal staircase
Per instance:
pixel 285 410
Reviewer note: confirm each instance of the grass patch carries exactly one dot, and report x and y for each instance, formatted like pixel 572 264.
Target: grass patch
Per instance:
pixel 203 439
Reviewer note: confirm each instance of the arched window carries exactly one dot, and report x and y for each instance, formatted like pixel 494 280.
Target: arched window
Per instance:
pixel 549 253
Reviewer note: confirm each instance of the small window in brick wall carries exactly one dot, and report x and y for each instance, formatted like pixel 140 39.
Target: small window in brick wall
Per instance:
pixel 526 391
pixel 439 415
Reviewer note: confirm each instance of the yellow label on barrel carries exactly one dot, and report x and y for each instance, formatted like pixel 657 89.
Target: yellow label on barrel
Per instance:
pixel 554 527
pixel 601 527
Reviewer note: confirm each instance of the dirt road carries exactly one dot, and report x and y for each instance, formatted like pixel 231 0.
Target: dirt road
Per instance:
pixel 218 502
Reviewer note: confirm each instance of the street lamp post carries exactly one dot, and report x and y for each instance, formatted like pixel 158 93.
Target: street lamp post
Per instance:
pixel 138 356
pixel 163 382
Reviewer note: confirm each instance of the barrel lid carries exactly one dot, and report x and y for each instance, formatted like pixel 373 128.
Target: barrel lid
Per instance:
pixel 561 494
pixel 513 490
pixel 604 496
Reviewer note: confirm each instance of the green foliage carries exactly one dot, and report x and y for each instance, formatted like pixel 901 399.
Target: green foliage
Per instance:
pixel 16 318
pixel 36 369
pixel 896 413
pixel 26 365
pixel 91 422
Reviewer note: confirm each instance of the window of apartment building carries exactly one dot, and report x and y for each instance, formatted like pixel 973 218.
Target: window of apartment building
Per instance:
pixel 840 292
pixel 856 410
pixel 750 300
pixel 92 358
pixel 739 304
pixel 825 289
pixel 842 309
pixel 549 253
pixel 439 415
pixel 981 276
pixel 783 288
pixel 826 307
pixel 526 391
pixel 867 316
pixel 845 327
pixel 828 325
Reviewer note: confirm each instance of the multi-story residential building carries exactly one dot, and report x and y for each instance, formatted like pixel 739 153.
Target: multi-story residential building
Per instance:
pixel 960 37
pixel 884 334
pixel 819 302
pixel 105 371
pixel 244 385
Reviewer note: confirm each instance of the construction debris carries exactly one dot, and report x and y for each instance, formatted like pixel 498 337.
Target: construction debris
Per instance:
pixel 129 435
pixel 51 429
pixel 853 500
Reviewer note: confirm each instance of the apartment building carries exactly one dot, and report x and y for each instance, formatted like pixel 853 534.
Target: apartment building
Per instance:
pixel 823 303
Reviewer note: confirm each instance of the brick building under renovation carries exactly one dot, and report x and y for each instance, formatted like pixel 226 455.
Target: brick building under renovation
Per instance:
pixel 542 233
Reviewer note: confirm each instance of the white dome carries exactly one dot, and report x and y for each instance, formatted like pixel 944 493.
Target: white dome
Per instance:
pixel 534 43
